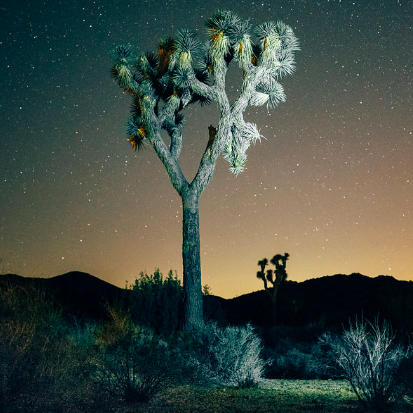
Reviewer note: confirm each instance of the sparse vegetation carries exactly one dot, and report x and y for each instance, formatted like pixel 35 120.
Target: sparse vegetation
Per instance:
pixel 53 363
pixel 270 396
pixel 44 366
pixel 370 360
pixel 135 364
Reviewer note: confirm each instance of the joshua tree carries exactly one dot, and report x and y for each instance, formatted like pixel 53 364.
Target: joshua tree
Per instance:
pixel 274 277
pixel 186 70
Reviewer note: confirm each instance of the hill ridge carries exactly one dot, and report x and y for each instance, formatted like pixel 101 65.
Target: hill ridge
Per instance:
pixel 328 300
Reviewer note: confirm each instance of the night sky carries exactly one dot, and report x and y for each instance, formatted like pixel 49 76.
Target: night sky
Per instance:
pixel 332 183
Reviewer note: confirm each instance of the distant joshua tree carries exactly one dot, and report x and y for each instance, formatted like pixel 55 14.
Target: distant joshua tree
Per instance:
pixel 186 70
pixel 274 277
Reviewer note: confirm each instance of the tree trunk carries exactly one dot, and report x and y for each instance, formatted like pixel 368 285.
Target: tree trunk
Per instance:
pixel 274 312
pixel 274 302
pixel 191 257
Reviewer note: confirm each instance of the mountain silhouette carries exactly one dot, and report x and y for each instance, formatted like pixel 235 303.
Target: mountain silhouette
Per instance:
pixel 328 301
pixel 78 294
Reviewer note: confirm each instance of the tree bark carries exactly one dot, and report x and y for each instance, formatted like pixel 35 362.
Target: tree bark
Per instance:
pixel 191 257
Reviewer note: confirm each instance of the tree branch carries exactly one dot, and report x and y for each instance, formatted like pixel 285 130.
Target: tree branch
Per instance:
pixel 169 157
pixel 176 143
pixel 170 162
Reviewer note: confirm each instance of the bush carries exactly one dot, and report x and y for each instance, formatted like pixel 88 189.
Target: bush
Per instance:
pixel 135 364
pixel 29 328
pixel 231 356
pixel 127 372
pixel 370 360
pixel 296 353
pixel 156 302
pixel 45 365
pixel 40 372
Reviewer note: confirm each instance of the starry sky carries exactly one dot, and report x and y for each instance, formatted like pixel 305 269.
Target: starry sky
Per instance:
pixel 332 183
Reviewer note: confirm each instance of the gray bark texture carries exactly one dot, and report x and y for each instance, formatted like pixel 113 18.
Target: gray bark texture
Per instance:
pixel 191 257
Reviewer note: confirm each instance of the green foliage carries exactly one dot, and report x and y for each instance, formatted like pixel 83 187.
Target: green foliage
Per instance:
pixel 136 364
pixel 156 301
pixel 127 368
pixel 187 47
pixel 117 330
pixel 44 365
pixel 29 304
pixel 296 353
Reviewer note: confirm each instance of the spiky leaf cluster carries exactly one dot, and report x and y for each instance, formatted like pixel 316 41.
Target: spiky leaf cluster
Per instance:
pixel 278 45
pixel 188 47
pixel 229 37
pixel 268 91
pixel 157 81
pixel 123 58
pixel 243 135
pixel 187 70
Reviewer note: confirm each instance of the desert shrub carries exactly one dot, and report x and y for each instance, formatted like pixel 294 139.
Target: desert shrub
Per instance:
pixel 75 361
pixel 117 330
pixel 29 304
pixel 321 364
pixel 38 371
pixel 136 364
pixel 301 361
pixel 30 324
pixel 126 371
pixel 230 356
pixel 296 353
pixel 404 373
pixel 44 363
pixel 156 302
pixel 16 365
pixel 370 359
pixel 291 365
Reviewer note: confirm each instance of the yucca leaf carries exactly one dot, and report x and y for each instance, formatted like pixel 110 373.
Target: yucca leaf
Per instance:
pixel 276 95
pixel 222 20
pixel 136 107
pixel 183 77
pixel 219 46
pixel 153 59
pixel 249 132
pixel 137 142
pixel 243 51
pixel 286 66
pixel 166 49
pixel 179 120
pixel 202 100
pixel 258 99
pixel 123 54
pixel 188 47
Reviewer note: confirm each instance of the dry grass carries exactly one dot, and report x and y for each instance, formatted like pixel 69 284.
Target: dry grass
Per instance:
pixel 271 396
